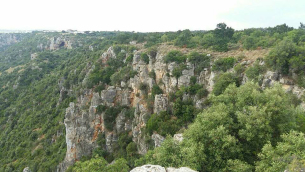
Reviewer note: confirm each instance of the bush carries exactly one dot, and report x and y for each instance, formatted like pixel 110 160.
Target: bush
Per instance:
pixel 143 86
pixel 223 64
pixel 193 80
pixel 177 71
pixel 145 58
pixel 162 123
pixel 202 93
pixel 175 56
pixel 279 57
pixel 200 61
pixel 129 59
pixel 255 72
pixel 110 116
pixel 156 90
pixel 123 75
pixel 223 81
pixel 152 51
pixel 152 74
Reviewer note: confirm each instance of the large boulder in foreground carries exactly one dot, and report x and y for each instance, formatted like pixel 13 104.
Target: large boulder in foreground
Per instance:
pixel 158 168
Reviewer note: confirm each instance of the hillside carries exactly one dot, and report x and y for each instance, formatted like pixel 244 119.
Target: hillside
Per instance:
pixel 221 100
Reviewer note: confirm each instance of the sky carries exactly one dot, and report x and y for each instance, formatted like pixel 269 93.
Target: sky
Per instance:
pixel 148 15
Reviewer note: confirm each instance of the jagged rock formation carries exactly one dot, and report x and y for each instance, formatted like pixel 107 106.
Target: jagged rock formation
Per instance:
pixel 9 39
pixel 158 168
pixel 56 43
pixel 26 169
pixel 83 122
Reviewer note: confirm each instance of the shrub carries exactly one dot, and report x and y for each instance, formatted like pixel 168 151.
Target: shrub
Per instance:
pixel 175 56
pixel 110 116
pixel 156 90
pixel 193 80
pixel 200 61
pixel 279 57
pixel 101 108
pixel 255 72
pixel 145 58
pixel 177 71
pixel 129 58
pixel 143 86
pixel 152 74
pixel 223 81
pixel 152 51
pixel 202 92
pixel 99 88
pixel 123 75
pixel 239 69
pixel 223 64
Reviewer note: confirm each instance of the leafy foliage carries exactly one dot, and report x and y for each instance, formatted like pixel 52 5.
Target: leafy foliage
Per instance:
pixel 174 56
pixel 223 64
pixel 229 135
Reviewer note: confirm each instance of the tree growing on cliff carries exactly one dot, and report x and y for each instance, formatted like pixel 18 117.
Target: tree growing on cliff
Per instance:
pixel 231 134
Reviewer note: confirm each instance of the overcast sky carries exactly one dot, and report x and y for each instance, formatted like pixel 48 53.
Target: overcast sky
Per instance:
pixel 148 15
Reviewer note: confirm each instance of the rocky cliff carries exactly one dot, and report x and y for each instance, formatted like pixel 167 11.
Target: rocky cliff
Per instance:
pixel 84 121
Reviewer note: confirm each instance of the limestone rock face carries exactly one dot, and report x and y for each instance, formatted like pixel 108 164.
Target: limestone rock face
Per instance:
pixel 270 78
pixel 108 95
pixel 161 103
pixel 149 168
pixel 56 43
pixel 8 39
pixel 178 137
pixel 26 169
pixel 158 168
pixel 182 169
pixel 108 54
pixel 34 56
pixel 184 79
pixel 158 139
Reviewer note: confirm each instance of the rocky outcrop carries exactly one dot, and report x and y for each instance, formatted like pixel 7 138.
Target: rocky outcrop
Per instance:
pixel 7 39
pixel 184 79
pixel 149 168
pixel 182 169
pixel 270 78
pixel 83 122
pixel 161 103
pixel 178 137
pixel 158 168
pixel 26 169
pixel 56 43
pixel 158 139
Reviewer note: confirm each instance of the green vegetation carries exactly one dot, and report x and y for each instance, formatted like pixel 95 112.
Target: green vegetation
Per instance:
pixel 242 128
pixel 237 133
pixel 145 58
pixel 98 164
pixel 223 64
pixel 174 56
pixel 200 61
pixel 123 75
pixel 223 81
pixel 255 72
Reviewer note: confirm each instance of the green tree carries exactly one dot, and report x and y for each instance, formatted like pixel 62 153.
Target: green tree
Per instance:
pixel 279 57
pixel 222 35
pixel 288 154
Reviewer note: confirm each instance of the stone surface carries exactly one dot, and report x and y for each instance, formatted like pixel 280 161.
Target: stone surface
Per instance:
pixel 178 137
pixel 158 168
pixel 182 169
pixel 158 139
pixel 160 103
pixel 26 169
pixel 149 168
